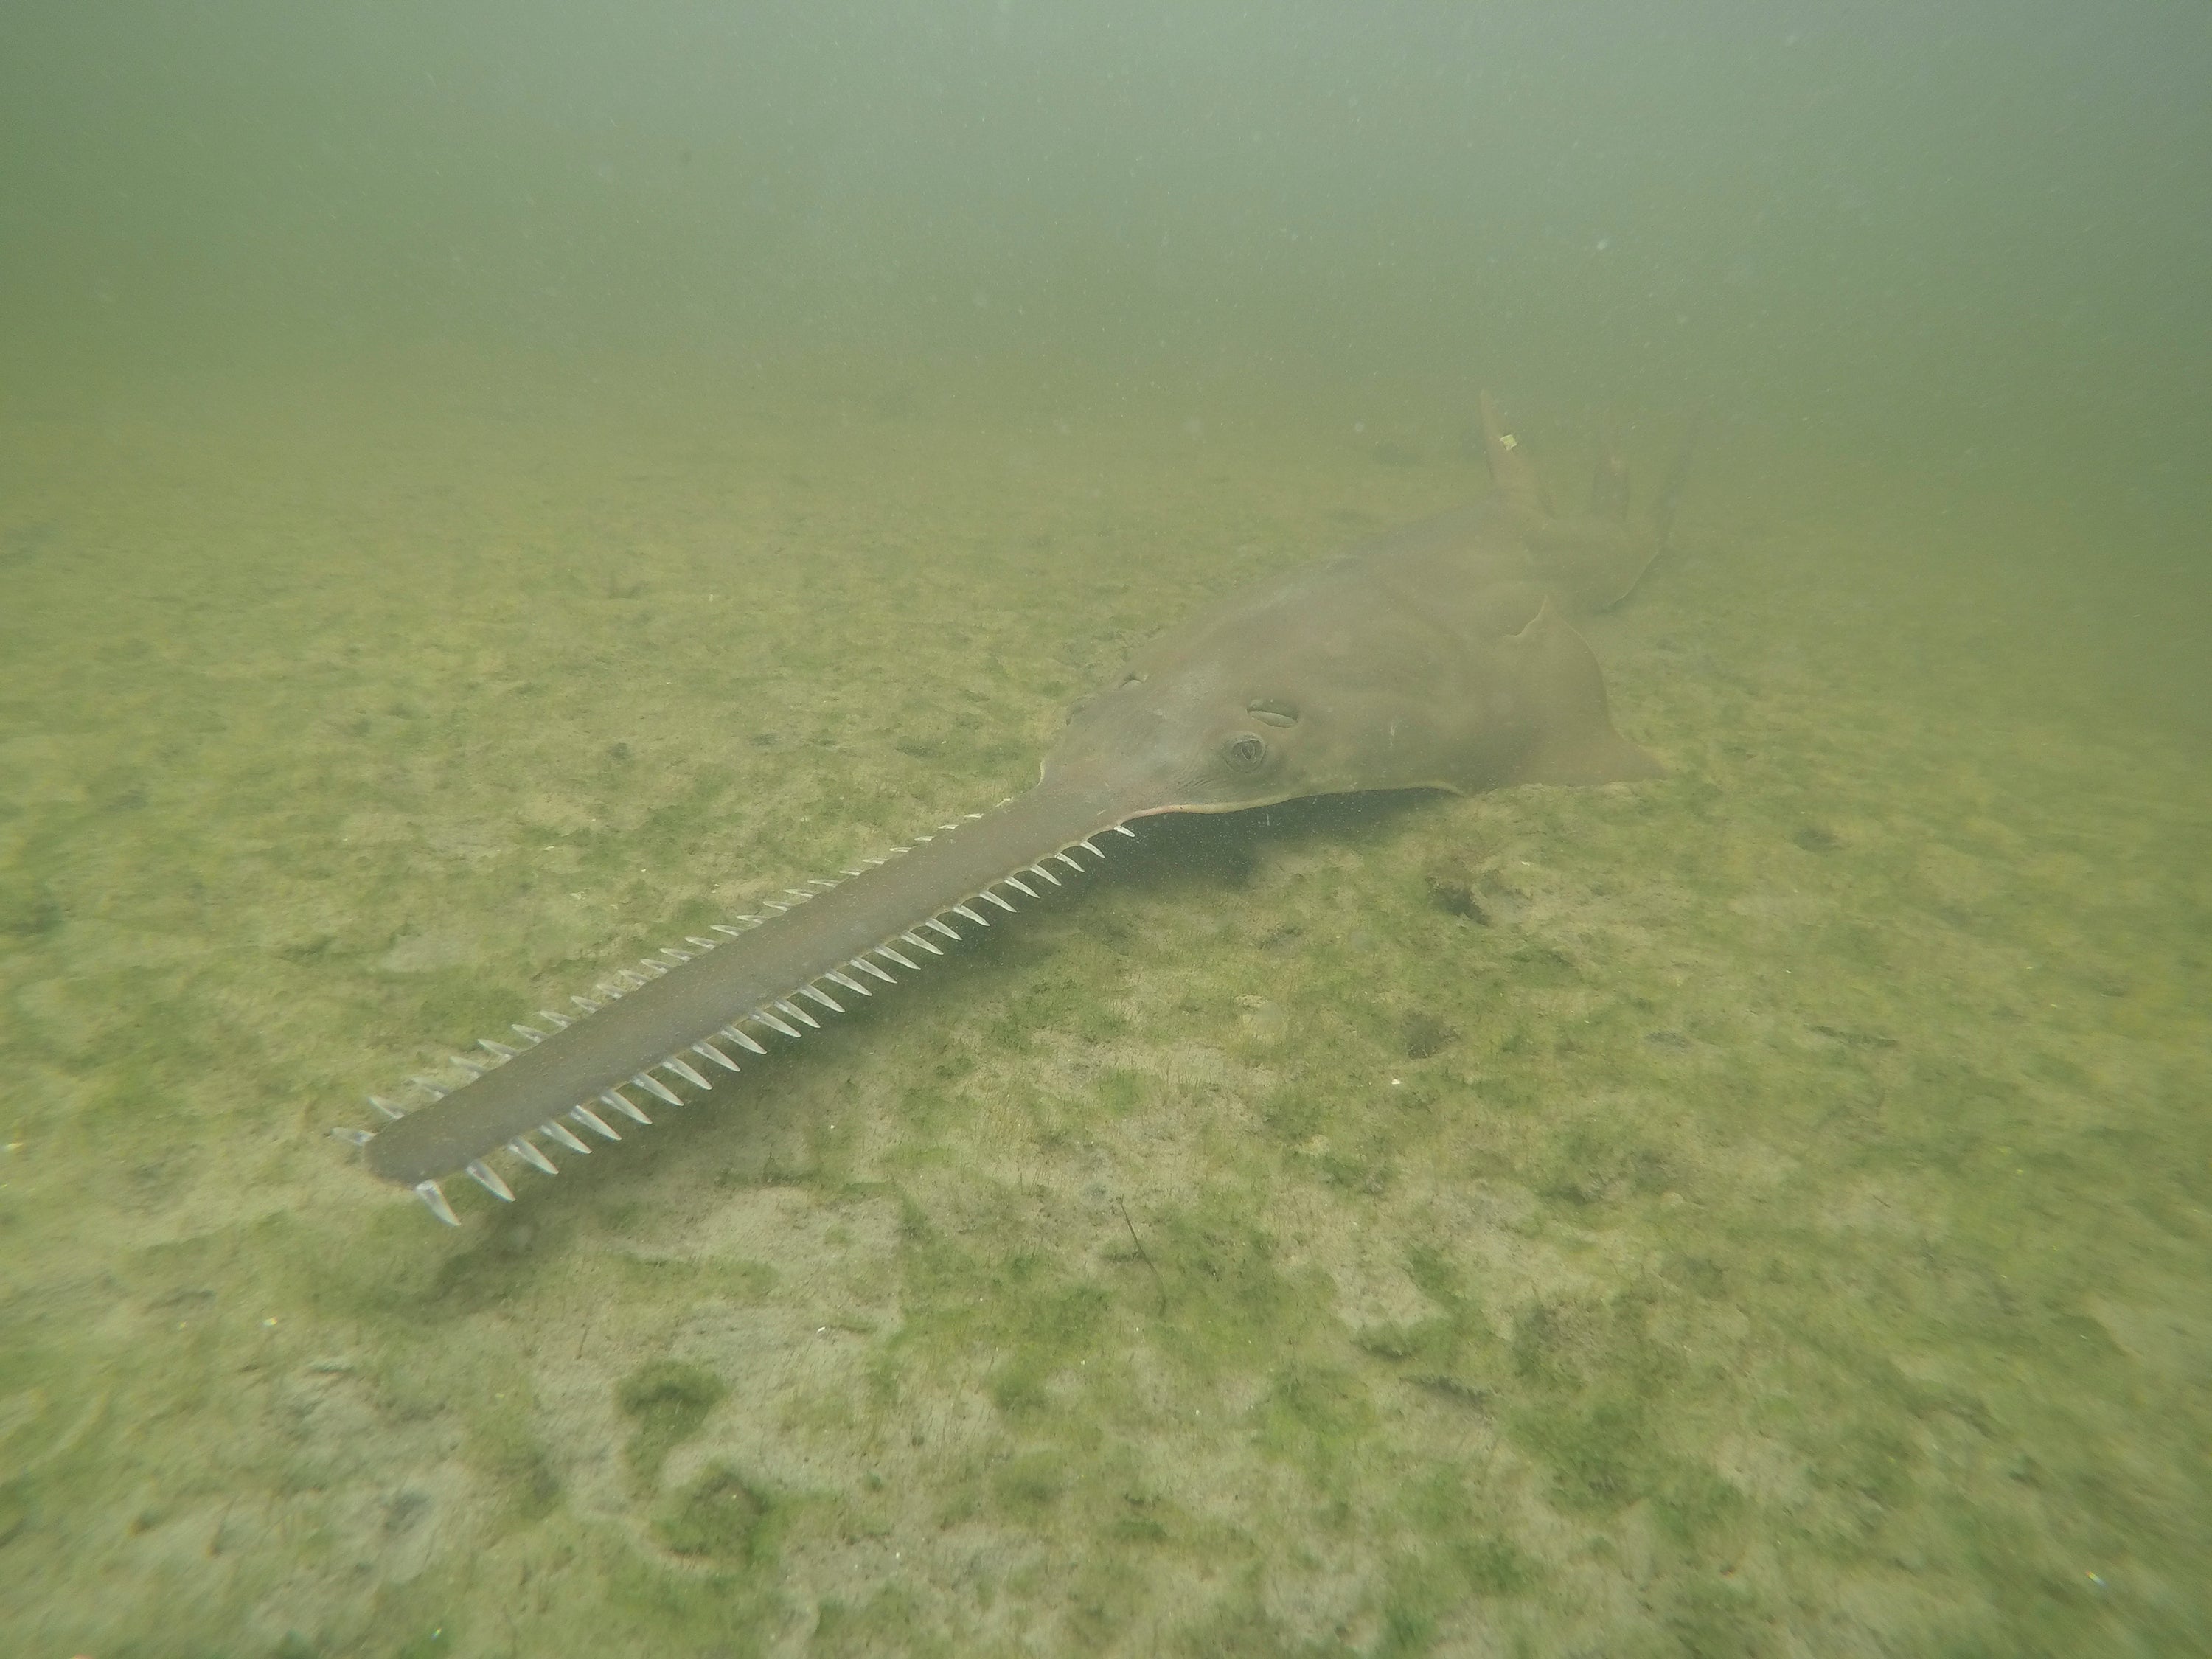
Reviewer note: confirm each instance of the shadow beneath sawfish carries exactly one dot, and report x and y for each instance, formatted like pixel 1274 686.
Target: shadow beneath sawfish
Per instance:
pixel 1202 851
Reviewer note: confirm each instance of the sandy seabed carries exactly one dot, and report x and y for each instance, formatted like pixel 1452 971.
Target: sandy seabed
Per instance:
pixel 1760 1211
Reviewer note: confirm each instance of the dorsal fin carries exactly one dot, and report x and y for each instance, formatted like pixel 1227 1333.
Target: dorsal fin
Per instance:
pixel 1513 472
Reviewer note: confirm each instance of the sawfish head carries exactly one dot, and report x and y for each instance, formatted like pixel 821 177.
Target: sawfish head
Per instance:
pixel 1362 674
pixel 1440 658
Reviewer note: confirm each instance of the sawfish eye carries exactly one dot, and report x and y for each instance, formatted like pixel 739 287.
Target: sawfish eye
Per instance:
pixel 1245 751
pixel 1274 710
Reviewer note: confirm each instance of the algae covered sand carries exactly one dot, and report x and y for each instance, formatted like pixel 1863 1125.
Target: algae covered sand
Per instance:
pixel 1761 1211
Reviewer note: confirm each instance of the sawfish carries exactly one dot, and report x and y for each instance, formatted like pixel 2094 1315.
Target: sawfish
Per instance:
pixel 1440 656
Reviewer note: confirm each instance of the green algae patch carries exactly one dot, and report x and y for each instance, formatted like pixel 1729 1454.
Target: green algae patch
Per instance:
pixel 1317 1417
pixel 894 1620
pixel 1595 1449
pixel 1031 1483
pixel 722 1518
pixel 1453 1354
pixel 730 1608
pixel 669 1402
pixel 504 1447
pixel 1463 1552
pixel 1232 1305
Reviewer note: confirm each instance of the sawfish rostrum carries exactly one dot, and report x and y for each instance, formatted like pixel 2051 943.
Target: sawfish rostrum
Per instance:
pixel 1442 656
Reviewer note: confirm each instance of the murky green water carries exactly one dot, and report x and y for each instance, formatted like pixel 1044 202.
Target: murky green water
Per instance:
pixel 1759 1212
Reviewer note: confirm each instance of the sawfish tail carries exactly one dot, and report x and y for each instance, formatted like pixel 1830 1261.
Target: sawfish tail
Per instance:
pixel 1608 496
pixel 1678 475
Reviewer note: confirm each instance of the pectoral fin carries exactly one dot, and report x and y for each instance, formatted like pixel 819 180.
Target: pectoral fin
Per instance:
pixel 1574 739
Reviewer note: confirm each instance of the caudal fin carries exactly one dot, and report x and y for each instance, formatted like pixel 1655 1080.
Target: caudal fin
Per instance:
pixel 1609 488
pixel 1670 491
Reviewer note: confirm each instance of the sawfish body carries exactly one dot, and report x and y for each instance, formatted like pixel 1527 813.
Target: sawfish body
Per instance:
pixel 1440 656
